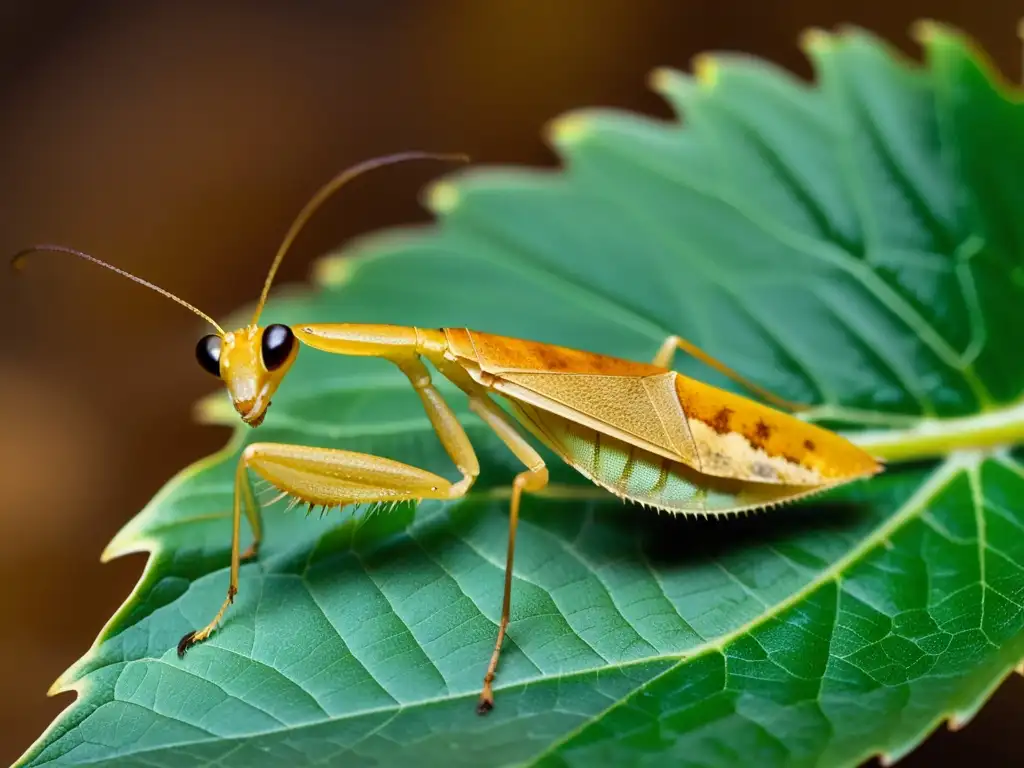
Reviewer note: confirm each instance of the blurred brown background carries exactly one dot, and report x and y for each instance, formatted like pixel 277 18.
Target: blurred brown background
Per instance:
pixel 178 140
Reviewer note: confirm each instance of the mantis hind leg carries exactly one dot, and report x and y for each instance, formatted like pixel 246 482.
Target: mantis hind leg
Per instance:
pixel 534 478
pixel 663 359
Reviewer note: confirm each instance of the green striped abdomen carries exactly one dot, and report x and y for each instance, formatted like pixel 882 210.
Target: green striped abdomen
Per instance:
pixel 638 475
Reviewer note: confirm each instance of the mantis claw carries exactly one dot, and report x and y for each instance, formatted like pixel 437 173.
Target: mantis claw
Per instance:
pixel 486 701
pixel 197 636
pixel 185 643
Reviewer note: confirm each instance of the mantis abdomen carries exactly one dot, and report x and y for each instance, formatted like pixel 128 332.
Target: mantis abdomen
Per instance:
pixel 647 478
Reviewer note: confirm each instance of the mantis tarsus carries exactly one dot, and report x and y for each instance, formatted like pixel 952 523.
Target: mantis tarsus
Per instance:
pixel 641 430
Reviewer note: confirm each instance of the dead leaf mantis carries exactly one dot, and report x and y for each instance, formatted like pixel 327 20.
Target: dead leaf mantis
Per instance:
pixel 640 430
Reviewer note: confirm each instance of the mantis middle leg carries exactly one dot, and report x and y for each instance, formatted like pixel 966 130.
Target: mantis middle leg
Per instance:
pixel 534 478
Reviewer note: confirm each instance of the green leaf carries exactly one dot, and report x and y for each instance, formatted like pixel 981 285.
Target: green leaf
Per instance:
pixel 856 244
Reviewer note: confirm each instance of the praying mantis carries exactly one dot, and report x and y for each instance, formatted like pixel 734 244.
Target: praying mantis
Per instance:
pixel 642 431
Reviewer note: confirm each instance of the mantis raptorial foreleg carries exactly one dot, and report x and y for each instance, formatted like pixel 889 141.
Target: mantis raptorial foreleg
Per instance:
pixel 534 478
pixel 663 359
pixel 333 478
pixel 329 478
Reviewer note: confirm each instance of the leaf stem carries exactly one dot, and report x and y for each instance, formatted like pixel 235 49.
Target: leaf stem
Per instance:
pixel 932 438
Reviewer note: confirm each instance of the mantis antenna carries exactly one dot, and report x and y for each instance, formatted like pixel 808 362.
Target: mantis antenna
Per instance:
pixel 19 259
pixel 304 215
pixel 325 192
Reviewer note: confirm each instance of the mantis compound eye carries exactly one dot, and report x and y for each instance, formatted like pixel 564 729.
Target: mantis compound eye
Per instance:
pixel 208 354
pixel 278 342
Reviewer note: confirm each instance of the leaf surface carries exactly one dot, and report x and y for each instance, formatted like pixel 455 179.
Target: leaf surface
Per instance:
pixel 855 244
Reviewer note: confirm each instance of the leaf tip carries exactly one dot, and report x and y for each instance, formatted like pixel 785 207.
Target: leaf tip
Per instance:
pixel 112 551
pixel 928 32
pixel 61 685
pixel 213 409
pixel 705 69
pixel 442 197
pixel 923 30
pixel 568 129
pixel 815 41
pixel 333 271
pixel 953 724
pixel 126 542
pixel 662 80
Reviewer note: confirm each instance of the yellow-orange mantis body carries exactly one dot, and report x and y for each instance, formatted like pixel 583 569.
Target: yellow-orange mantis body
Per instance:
pixel 640 430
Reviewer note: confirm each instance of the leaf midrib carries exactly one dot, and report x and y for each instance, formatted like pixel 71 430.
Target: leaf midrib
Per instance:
pixel 929 438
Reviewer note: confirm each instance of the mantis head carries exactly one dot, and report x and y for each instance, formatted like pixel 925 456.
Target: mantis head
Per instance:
pixel 253 360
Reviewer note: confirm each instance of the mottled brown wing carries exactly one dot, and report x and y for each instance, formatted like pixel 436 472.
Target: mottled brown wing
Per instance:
pixel 713 431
